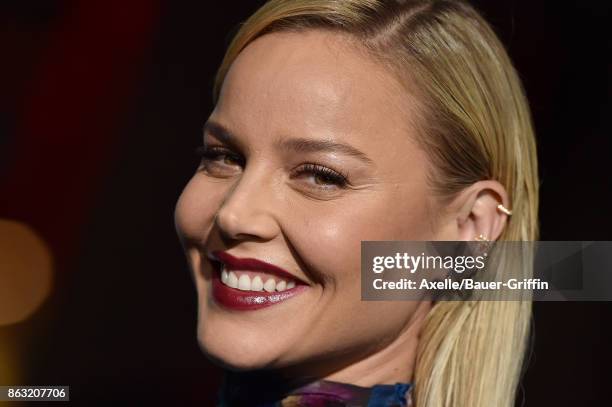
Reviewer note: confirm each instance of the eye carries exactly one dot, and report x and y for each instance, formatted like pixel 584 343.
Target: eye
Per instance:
pixel 321 177
pixel 220 161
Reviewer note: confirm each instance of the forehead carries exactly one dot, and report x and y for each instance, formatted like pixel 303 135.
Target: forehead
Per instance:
pixel 315 83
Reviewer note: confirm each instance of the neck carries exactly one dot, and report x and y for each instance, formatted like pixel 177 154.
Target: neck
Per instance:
pixel 257 387
pixel 393 363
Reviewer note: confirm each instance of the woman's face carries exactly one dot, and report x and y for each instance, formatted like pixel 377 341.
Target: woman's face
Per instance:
pixel 310 151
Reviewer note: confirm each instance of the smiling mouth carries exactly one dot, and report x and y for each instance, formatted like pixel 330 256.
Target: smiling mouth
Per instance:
pixel 254 281
pixel 243 290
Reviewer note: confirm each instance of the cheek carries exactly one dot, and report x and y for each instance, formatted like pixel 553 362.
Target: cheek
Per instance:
pixel 331 239
pixel 195 209
pixel 343 324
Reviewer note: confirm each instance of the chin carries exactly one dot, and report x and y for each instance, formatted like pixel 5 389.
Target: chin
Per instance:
pixel 239 351
pixel 233 362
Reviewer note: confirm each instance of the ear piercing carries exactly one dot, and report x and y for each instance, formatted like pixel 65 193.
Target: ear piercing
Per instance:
pixel 484 244
pixel 503 209
pixel 481 238
pixel 484 239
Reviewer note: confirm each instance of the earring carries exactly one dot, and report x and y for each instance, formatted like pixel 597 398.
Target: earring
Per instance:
pixel 505 210
pixel 484 243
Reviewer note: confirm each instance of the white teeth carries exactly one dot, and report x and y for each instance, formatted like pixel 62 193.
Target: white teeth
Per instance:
pixel 232 280
pixel 270 285
pixel 257 284
pixel 244 283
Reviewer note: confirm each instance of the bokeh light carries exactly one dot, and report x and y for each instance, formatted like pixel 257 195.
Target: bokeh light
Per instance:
pixel 26 271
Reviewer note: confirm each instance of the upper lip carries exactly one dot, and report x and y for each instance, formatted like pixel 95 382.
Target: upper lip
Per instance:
pixel 250 264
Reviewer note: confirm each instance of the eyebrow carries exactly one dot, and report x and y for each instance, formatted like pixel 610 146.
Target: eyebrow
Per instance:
pixel 304 145
pixel 221 132
pixel 299 145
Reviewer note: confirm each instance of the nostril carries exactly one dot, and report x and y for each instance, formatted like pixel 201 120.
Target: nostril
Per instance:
pixel 246 216
pixel 227 233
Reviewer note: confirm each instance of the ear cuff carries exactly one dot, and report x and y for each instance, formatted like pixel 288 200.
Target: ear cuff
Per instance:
pixel 503 209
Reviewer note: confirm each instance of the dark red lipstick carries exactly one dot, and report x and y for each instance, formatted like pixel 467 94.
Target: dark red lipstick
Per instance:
pixel 235 263
pixel 243 300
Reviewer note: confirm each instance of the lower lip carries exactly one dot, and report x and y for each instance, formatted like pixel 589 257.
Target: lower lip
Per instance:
pixel 240 300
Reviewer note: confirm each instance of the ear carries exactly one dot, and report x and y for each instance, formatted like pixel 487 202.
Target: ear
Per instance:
pixel 474 212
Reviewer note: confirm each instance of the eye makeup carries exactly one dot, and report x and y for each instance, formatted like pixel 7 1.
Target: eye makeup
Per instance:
pixel 321 176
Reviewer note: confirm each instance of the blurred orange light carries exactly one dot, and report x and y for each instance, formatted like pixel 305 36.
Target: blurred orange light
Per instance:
pixel 26 271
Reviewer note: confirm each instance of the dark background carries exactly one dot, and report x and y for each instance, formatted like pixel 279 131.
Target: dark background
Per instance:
pixel 101 108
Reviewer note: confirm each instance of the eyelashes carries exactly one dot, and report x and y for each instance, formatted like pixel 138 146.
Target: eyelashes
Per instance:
pixel 213 154
pixel 323 175
pixel 222 162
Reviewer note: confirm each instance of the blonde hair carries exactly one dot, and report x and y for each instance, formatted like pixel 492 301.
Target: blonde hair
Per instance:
pixel 475 124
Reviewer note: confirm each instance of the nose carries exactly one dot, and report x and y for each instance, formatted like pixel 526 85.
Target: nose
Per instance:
pixel 248 210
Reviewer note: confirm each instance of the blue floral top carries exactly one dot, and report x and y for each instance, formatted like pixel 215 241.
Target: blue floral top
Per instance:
pixel 322 393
